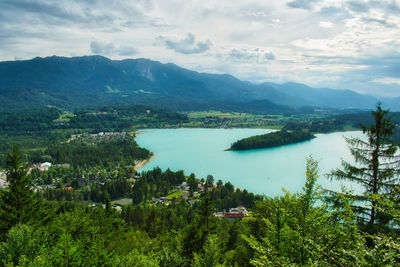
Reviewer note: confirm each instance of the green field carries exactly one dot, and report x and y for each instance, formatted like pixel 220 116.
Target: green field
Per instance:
pixel 219 119
pixel 122 201
pixel 231 115
pixel 175 194
pixel 65 117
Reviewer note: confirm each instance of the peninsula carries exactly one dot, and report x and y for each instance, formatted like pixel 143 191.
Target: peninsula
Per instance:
pixel 274 139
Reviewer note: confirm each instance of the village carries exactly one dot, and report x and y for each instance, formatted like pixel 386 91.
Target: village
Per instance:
pixel 100 136
pixel 182 191
pixel 192 197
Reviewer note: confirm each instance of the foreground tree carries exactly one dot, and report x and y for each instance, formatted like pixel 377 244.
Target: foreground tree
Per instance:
pixel 18 203
pixel 376 167
pixel 386 248
pixel 300 230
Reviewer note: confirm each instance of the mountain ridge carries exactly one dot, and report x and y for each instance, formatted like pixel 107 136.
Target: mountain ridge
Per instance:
pixel 86 80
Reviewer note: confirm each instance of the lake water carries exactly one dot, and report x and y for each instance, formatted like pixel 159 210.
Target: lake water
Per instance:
pixel 201 151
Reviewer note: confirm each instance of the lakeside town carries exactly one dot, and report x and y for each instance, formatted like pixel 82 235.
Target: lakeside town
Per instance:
pixel 182 191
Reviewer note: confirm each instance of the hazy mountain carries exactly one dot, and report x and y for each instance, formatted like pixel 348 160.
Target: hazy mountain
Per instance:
pixel 96 80
pixel 295 94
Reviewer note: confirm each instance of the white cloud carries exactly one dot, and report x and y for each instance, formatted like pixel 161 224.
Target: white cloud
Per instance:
pixel 103 48
pixel 127 51
pixel 394 81
pixel 302 4
pixel 187 45
pixel 326 24
pixel 254 55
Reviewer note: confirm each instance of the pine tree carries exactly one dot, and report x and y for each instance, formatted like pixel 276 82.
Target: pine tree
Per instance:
pixel 376 168
pixel 107 203
pixel 18 203
pixel 206 211
pixel 211 254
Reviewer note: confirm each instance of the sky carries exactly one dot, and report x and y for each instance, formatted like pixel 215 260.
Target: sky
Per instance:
pixel 322 43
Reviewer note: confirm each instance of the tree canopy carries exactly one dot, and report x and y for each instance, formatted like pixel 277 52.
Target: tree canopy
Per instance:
pixel 273 139
pixel 376 166
pixel 18 203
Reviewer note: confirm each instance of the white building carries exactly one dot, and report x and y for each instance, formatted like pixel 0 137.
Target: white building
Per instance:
pixel 44 166
pixel 3 180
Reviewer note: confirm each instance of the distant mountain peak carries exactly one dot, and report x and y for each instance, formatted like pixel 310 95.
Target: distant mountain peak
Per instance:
pixel 95 78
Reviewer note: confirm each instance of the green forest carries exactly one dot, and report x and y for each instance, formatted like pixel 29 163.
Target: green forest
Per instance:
pixel 46 132
pixel 92 208
pixel 273 139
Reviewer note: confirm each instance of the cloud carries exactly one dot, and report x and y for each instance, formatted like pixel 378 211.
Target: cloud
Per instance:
pixel 127 51
pixel 331 10
pixel 256 55
pixel 55 13
pixel 186 45
pixel 395 81
pixel 302 4
pixel 326 24
pixel 372 73
pixel 95 13
pixel 102 48
pixel 389 6
pixel 386 65
pixel 41 8
pixel 379 21
pixel 358 6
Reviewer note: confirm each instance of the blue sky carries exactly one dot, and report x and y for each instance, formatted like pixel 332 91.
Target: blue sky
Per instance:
pixel 323 43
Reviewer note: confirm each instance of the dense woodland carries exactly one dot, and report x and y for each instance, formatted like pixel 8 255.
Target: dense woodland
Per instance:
pixel 99 119
pixel 41 131
pixel 273 139
pixel 339 122
pixel 105 152
pixel 67 216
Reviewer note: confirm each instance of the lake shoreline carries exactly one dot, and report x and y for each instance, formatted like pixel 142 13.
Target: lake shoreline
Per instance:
pixel 149 130
pixel 201 151
pixel 144 162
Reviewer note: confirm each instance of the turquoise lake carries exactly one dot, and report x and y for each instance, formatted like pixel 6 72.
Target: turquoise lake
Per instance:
pixel 201 151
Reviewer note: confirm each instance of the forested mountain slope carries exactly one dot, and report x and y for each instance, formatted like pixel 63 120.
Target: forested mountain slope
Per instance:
pixel 96 80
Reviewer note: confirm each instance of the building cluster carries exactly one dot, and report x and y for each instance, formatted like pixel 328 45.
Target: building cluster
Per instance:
pixel 40 166
pixel 234 213
pixel 184 186
pixel 91 138
pixel 38 188
pixel 225 122
pixel 161 200
pixel 186 193
pixel 3 180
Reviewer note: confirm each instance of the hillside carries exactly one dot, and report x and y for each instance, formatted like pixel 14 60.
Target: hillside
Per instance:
pixel 96 80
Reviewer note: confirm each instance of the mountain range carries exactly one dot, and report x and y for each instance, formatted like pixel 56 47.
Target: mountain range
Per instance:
pixel 96 80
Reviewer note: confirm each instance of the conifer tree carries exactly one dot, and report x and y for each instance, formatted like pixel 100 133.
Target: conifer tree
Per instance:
pixel 206 211
pixel 18 203
pixel 107 203
pixel 376 166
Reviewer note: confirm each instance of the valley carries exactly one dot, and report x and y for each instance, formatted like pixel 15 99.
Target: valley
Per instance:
pixel 143 171
pixel 199 133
